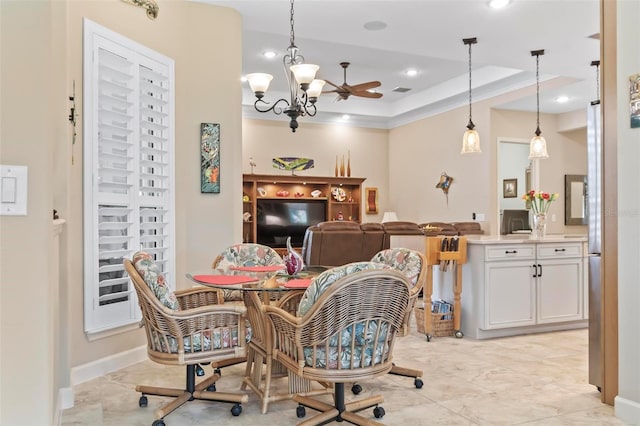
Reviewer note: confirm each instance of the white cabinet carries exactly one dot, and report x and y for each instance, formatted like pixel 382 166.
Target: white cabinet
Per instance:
pixel 525 287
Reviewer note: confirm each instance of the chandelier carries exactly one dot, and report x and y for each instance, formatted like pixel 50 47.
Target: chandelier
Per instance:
pixel 303 87
pixel 538 145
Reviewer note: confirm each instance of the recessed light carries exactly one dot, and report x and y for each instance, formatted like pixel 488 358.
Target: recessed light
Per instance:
pixel 243 79
pixel 269 54
pixel 411 72
pixel 498 4
pixel 375 25
pixel 345 117
pixel 372 91
pixel 562 99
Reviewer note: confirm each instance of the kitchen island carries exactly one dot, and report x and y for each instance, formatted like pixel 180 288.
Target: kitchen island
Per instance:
pixel 515 285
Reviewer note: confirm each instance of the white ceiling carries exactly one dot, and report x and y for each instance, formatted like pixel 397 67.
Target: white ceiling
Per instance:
pixel 426 35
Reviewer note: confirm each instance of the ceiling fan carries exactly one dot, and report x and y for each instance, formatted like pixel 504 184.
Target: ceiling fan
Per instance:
pixel 362 89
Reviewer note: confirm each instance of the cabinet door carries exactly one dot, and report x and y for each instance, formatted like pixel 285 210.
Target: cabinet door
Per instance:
pixel 510 294
pixel 560 289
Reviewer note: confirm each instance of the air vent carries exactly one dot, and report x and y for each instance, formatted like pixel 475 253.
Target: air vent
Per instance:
pixel 400 89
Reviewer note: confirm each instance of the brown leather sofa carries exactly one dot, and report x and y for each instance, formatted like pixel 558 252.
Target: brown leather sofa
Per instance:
pixel 339 242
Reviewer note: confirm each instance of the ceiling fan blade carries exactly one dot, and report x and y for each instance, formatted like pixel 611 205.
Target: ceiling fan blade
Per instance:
pixel 366 94
pixel 365 86
pixel 333 84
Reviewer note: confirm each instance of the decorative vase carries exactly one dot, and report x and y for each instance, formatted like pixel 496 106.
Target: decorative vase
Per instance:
pixel 342 166
pixel 336 166
pixel 292 260
pixel 539 225
pixel 349 165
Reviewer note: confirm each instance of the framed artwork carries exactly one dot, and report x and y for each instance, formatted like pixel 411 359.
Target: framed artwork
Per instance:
pixel 209 158
pixel 371 200
pixel 510 188
pixel 634 100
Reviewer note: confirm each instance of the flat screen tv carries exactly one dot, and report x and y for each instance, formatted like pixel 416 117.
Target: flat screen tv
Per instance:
pixel 278 219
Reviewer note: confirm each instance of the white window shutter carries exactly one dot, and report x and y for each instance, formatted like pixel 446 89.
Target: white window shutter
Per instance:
pixel 128 170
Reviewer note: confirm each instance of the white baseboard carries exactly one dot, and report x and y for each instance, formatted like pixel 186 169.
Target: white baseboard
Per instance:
pixel 64 400
pixel 109 364
pixel 627 410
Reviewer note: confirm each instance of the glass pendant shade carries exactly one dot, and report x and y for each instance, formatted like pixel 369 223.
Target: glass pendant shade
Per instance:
pixel 304 73
pixel 315 88
pixel 538 148
pixel 259 82
pixel 470 142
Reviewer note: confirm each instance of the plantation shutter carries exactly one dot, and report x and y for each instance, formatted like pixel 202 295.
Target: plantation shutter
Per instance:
pixel 128 170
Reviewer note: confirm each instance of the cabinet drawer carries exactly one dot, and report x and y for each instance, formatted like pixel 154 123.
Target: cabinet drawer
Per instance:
pixel 555 250
pixel 513 251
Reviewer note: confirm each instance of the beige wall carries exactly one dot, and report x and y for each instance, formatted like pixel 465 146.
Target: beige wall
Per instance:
pixel 26 138
pixel 41 56
pixel 266 139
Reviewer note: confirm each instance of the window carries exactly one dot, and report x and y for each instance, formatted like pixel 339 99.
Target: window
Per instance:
pixel 128 170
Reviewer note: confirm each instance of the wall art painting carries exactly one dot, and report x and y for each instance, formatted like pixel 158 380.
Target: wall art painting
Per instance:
pixel 209 158
pixel 634 100
pixel 372 200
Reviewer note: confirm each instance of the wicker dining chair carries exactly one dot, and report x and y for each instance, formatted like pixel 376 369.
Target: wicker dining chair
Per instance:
pixel 245 254
pixel 413 265
pixel 344 331
pixel 187 327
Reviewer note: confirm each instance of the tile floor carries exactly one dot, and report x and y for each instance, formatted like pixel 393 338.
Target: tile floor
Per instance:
pixel 535 380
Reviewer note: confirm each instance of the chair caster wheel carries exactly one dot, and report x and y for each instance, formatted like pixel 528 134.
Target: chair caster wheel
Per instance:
pixel 418 383
pixel 236 410
pixel 211 388
pixel 378 412
pixel 300 411
pixel 142 402
pixel 459 334
pixel 158 422
pixel 356 389
pixel 218 371
pixel 199 371
pixel 428 337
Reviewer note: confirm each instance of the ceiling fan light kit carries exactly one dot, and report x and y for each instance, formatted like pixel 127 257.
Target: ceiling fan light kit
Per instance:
pixel 304 88
pixel 471 138
pixel 538 144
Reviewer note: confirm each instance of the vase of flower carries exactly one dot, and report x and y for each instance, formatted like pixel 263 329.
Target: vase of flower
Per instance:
pixel 539 227
pixel 540 203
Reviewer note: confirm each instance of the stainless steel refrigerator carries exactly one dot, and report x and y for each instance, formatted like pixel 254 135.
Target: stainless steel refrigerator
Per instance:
pixel 594 198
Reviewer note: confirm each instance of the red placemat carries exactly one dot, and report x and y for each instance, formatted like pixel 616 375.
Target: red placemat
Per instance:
pixel 267 268
pixel 298 283
pixel 223 279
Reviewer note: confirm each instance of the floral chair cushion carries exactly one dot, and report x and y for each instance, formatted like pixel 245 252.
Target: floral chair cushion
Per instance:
pixel 246 254
pixel 328 277
pixel 222 337
pixel 403 260
pixel 152 275
pixel 362 354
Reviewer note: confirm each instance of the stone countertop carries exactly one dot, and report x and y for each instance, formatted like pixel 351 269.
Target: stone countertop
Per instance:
pixel 524 238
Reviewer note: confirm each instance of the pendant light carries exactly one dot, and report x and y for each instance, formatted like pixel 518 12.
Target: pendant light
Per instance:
pixel 470 139
pixel 538 145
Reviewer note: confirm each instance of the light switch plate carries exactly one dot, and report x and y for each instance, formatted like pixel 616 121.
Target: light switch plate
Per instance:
pixel 13 190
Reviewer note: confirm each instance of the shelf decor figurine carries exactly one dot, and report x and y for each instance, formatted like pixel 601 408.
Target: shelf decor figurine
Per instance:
pixel 292 260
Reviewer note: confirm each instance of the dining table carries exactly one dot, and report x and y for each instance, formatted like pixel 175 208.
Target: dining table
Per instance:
pixel 264 285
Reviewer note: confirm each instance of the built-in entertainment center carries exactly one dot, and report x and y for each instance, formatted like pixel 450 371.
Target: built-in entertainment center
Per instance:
pixel 279 206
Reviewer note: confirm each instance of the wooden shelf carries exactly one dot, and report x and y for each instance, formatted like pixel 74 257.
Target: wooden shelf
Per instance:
pixel 271 184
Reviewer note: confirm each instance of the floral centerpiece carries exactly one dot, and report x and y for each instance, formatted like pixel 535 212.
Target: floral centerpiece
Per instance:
pixel 540 203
